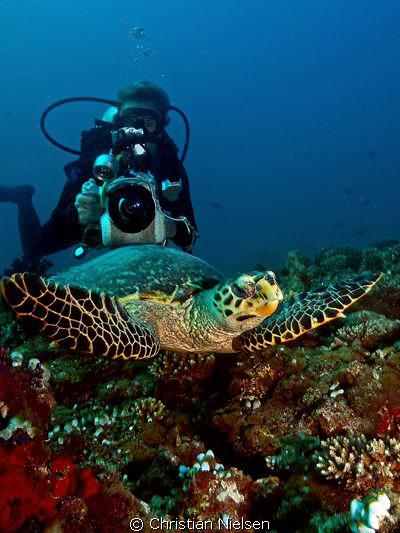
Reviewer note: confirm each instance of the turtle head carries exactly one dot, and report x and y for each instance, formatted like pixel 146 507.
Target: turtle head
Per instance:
pixel 248 299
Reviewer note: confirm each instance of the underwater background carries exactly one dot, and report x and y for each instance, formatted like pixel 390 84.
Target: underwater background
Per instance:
pixel 293 106
pixel 294 166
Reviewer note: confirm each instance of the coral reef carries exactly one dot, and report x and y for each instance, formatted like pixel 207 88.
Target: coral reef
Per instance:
pixel 28 264
pixel 181 378
pixel 368 515
pixel 366 329
pixel 359 463
pixel 297 432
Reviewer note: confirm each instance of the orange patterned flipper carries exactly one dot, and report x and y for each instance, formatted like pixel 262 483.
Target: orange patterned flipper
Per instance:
pixel 305 312
pixel 78 320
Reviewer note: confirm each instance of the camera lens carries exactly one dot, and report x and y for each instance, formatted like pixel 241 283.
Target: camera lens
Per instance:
pixel 131 208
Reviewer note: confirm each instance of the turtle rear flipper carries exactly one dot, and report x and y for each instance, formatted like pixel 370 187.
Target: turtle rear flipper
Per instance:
pixel 305 312
pixel 78 320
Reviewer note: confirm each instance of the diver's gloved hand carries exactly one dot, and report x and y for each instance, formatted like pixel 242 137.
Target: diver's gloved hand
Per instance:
pixel 88 204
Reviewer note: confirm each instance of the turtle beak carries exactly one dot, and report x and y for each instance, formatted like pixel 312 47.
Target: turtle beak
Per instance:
pixel 270 292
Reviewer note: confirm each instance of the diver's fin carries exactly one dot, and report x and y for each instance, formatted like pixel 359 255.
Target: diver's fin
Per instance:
pixel 16 193
pixel 78 320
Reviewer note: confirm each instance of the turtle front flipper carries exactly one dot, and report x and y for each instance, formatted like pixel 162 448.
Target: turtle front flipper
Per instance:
pixel 305 312
pixel 78 320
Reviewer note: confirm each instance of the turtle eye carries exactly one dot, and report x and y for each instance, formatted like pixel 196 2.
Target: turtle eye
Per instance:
pixel 270 277
pixel 244 290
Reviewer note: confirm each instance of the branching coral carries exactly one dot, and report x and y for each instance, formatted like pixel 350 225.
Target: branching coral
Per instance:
pixel 367 330
pixel 293 455
pixel 148 410
pixel 359 463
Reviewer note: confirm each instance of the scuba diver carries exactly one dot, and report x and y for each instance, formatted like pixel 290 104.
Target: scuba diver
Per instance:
pixel 128 147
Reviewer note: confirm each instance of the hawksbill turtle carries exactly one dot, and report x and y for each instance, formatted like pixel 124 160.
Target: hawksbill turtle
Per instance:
pixel 135 300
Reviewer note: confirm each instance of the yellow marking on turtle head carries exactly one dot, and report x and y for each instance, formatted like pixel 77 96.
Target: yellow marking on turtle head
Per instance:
pixel 270 291
pixel 248 296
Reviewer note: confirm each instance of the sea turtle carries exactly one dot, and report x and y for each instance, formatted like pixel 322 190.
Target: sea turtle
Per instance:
pixel 132 301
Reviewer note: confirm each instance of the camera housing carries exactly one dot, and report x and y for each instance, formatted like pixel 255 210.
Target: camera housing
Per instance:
pixel 133 213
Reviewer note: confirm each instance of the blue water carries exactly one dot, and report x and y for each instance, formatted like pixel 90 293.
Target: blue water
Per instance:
pixel 294 110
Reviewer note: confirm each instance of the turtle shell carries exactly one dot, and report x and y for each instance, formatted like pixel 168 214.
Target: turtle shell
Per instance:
pixel 147 271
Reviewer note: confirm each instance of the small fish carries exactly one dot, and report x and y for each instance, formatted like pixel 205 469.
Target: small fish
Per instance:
pixel 348 191
pixel 365 201
pixel 9 114
pixel 339 224
pixel 361 232
pixel 371 154
pixel 216 205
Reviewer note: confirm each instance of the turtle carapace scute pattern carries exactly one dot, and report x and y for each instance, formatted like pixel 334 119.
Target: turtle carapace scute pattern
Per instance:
pixel 135 300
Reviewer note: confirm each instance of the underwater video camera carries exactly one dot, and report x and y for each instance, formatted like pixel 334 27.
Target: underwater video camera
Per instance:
pixel 133 214
pixel 131 199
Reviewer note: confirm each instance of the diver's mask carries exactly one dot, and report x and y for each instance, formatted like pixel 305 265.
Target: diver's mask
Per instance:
pixel 147 119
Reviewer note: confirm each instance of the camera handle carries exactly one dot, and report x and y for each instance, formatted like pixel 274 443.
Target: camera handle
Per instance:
pixel 194 234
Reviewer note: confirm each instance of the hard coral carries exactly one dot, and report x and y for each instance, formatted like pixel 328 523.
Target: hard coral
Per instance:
pixel 148 410
pixel 171 365
pixel 107 431
pixel 253 376
pixel 359 463
pixel 25 399
pixel 367 330
pixel 135 425
pixel 211 496
pixel 300 275
pixel 339 258
pixel 181 377
pixel 28 264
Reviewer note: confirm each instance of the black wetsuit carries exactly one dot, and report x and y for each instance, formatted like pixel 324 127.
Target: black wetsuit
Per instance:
pixel 63 229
